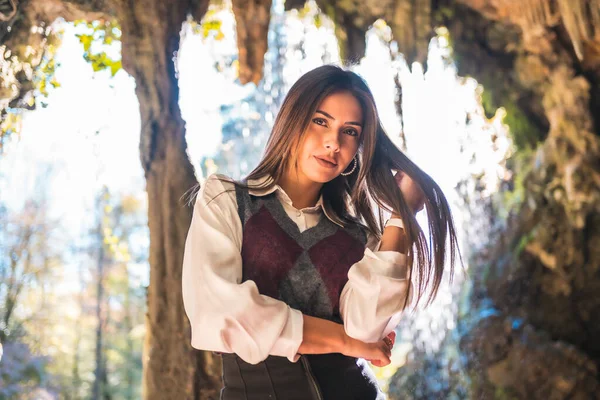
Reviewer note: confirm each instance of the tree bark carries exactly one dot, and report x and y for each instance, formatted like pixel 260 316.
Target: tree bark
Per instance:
pixel 150 40
pixel 99 389
pixel 252 18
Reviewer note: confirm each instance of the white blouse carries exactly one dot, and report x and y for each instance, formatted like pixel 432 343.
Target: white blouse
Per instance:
pixel 231 316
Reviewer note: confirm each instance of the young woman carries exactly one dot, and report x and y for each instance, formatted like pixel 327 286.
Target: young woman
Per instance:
pixel 292 274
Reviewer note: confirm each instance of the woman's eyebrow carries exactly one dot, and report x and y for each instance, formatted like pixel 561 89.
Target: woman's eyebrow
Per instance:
pixel 347 123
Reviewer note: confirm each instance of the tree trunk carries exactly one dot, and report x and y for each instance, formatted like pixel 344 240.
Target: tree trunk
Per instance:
pixel 150 39
pixel 252 18
pixel 74 388
pixel 99 371
pixel 128 326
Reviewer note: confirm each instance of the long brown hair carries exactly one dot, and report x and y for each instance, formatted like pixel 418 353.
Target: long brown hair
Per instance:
pixel 351 199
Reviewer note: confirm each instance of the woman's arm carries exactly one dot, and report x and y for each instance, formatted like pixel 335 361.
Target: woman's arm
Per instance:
pixel 373 299
pixel 229 316
pixel 394 238
pixel 226 314
pixel 321 336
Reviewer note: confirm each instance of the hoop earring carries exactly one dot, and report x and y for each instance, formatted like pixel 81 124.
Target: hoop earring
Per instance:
pixel 353 168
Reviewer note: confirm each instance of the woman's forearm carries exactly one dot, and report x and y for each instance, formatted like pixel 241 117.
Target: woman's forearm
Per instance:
pixel 394 239
pixel 321 336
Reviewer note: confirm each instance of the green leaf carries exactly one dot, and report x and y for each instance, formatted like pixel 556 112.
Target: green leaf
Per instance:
pixel 318 20
pixel 98 64
pixel 43 88
pixel 86 41
pixel 115 67
pixel 210 26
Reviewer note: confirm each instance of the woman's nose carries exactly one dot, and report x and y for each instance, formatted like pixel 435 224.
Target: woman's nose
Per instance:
pixel 332 143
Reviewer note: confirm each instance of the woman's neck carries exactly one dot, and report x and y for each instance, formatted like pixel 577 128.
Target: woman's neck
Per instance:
pixel 302 191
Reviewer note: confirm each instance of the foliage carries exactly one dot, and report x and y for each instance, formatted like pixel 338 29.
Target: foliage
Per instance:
pixel 211 25
pixel 21 371
pixel 524 133
pixel 47 329
pixel 26 74
pixel 121 218
pixel 29 261
pixel 512 196
pixel 310 10
pixel 98 38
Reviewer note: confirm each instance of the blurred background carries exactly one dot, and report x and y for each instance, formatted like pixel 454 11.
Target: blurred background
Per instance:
pixel 111 111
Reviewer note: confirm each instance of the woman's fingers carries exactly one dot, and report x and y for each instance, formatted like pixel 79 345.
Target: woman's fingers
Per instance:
pixel 411 192
pixel 390 339
pixel 378 353
pixel 392 336
pixel 387 346
pixel 383 359
pixel 387 343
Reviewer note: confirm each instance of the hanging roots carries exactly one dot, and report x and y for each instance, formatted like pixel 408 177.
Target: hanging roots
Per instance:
pixel 411 27
pixel 581 18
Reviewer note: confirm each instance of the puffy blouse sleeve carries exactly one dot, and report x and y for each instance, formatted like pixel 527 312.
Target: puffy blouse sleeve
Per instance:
pixel 372 301
pixel 226 314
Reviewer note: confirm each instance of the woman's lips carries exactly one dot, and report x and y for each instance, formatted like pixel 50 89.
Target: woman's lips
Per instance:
pixel 325 163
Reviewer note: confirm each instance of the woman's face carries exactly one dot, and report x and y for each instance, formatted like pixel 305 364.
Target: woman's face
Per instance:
pixel 332 138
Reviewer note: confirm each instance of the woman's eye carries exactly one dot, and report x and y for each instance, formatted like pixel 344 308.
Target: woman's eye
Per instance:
pixel 351 132
pixel 320 121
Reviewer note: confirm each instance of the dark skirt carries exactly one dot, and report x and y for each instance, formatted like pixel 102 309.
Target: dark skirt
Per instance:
pixel 313 377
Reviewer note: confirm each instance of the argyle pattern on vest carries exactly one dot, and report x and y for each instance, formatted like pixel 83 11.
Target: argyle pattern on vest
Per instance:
pixel 306 270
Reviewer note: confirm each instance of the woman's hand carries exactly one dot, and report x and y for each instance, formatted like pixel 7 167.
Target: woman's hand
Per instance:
pixel 411 192
pixel 378 353
pixel 321 336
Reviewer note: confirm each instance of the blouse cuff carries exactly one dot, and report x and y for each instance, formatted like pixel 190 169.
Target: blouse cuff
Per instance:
pixel 289 341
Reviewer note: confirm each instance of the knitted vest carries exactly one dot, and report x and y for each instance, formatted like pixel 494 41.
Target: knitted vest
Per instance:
pixel 306 270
